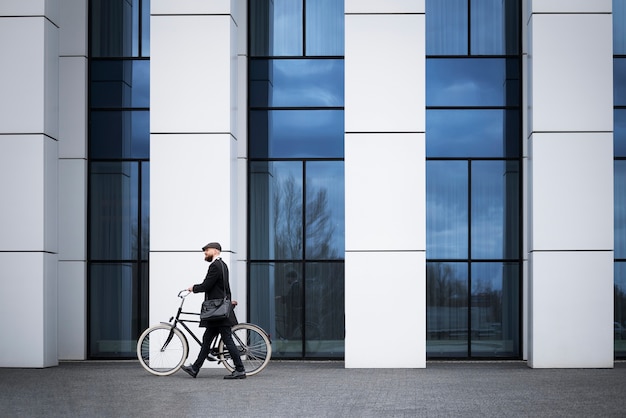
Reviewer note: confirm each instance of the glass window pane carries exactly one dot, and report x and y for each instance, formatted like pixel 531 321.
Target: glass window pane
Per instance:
pixel 145 210
pixel 145 28
pixel 114 310
pixel 495 209
pixel 619 184
pixel 113 28
pixel 277 292
pixel 619 27
pixel 325 227
pixel 446 27
pixel 619 81
pixel 472 82
pixel 324 27
pixel 123 134
pixel 276 28
pixel 495 309
pixel 296 83
pixel 276 206
pixel 446 309
pixel 619 324
pixel 120 83
pixel 619 132
pixel 446 210
pixel 487 21
pixel 114 220
pixel 324 297
pixel 472 133
pixel 296 134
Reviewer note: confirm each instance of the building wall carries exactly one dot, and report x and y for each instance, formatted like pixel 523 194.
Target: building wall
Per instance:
pixel 570 183
pixel 198 173
pixel 385 164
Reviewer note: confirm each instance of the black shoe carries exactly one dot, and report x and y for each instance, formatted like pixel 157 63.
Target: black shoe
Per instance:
pixel 236 375
pixel 190 370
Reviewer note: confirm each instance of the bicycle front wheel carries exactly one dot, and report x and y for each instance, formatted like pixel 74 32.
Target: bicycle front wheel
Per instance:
pixel 254 348
pixel 162 349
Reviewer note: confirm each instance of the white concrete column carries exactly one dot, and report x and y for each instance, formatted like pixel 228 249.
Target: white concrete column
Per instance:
pixel 73 108
pixel 385 281
pixel 194 182
pixel 570 183
pixel 29 133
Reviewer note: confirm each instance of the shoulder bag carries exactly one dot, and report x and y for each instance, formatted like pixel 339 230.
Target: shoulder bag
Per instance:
pixel 217 309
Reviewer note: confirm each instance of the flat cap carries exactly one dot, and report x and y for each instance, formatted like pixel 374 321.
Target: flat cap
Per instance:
pixel 215 245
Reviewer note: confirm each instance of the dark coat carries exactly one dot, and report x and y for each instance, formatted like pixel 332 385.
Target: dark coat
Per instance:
pixel 213 288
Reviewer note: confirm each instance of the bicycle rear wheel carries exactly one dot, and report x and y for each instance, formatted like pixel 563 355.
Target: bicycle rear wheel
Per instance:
pixel 162 349
pixel 254 348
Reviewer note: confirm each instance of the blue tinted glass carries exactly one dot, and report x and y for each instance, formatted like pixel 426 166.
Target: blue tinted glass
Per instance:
pixel 296 83
pixel 447 209
pixel 276 208
pixel 494 25
pixel 276 28
pixel 472 82
pixel 120 83
pixel 472 133
pixel 296 134
pixel 619 309
pixel 619 184
pixel 619 132
pixel 619 81
pixel 114 28
pixel 619 27
pixel 145 28
pixel 145 210
pixel 114 217
pixel 495 203
pixel 325 227
pixel 324 27
pixel 495 293
pixel 123 134
pixel 446 27
pixel 447 309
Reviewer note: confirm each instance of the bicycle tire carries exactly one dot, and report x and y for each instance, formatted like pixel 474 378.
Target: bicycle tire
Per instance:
pixel 256 352
pixel 156 356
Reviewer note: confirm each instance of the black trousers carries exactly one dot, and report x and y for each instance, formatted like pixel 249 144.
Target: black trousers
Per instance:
pixel 209 335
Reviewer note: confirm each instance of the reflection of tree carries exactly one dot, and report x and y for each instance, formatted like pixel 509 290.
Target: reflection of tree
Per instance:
pixel 444 289
pixel 620 304
pixel 288 222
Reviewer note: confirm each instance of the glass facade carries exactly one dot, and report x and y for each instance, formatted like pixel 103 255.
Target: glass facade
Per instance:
pixel 473 179
pixel 119 174
pixel 296 171
pixel 619 177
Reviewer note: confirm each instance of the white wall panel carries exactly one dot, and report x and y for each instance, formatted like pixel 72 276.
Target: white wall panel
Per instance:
pixel 50 8
pixel 72 310
pixel 572 300
pixel 384 180
pixel 377 6
pixel 572 191
pixel 394 279
pixel 570 6
pixel 190 190
pixel 32 341
pixel 73 107
pixel 384 73
pixel 180 7
pixel 73 31
pixel 72 209
pixel 22 83
pixel 572 73
pixel 191 60
pixel 21 214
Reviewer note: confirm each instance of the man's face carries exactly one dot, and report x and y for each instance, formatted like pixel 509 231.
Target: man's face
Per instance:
pixel 209 253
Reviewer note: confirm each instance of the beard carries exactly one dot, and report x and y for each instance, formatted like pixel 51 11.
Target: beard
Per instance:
pixel 208 258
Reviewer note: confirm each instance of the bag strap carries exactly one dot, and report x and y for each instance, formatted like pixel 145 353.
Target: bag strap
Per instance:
pixel 223 276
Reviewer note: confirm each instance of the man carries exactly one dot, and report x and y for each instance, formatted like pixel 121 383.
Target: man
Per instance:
pixel 214 286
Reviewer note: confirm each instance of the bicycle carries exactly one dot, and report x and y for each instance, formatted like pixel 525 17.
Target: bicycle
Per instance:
pixel 163 348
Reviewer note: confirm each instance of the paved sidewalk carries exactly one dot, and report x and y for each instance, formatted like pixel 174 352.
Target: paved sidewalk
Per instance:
pixel 315 389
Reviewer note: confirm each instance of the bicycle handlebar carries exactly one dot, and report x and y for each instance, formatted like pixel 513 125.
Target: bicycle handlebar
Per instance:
pixel 186 293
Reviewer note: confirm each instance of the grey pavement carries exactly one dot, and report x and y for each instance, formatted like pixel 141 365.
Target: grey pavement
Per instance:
pixel 315 389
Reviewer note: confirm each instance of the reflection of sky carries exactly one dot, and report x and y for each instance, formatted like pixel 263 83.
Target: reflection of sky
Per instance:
pixel 620 208
pixel 297 83
pixel 467 82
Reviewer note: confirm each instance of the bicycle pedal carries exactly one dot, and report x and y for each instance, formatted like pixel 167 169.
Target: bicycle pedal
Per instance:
pixel 211 357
